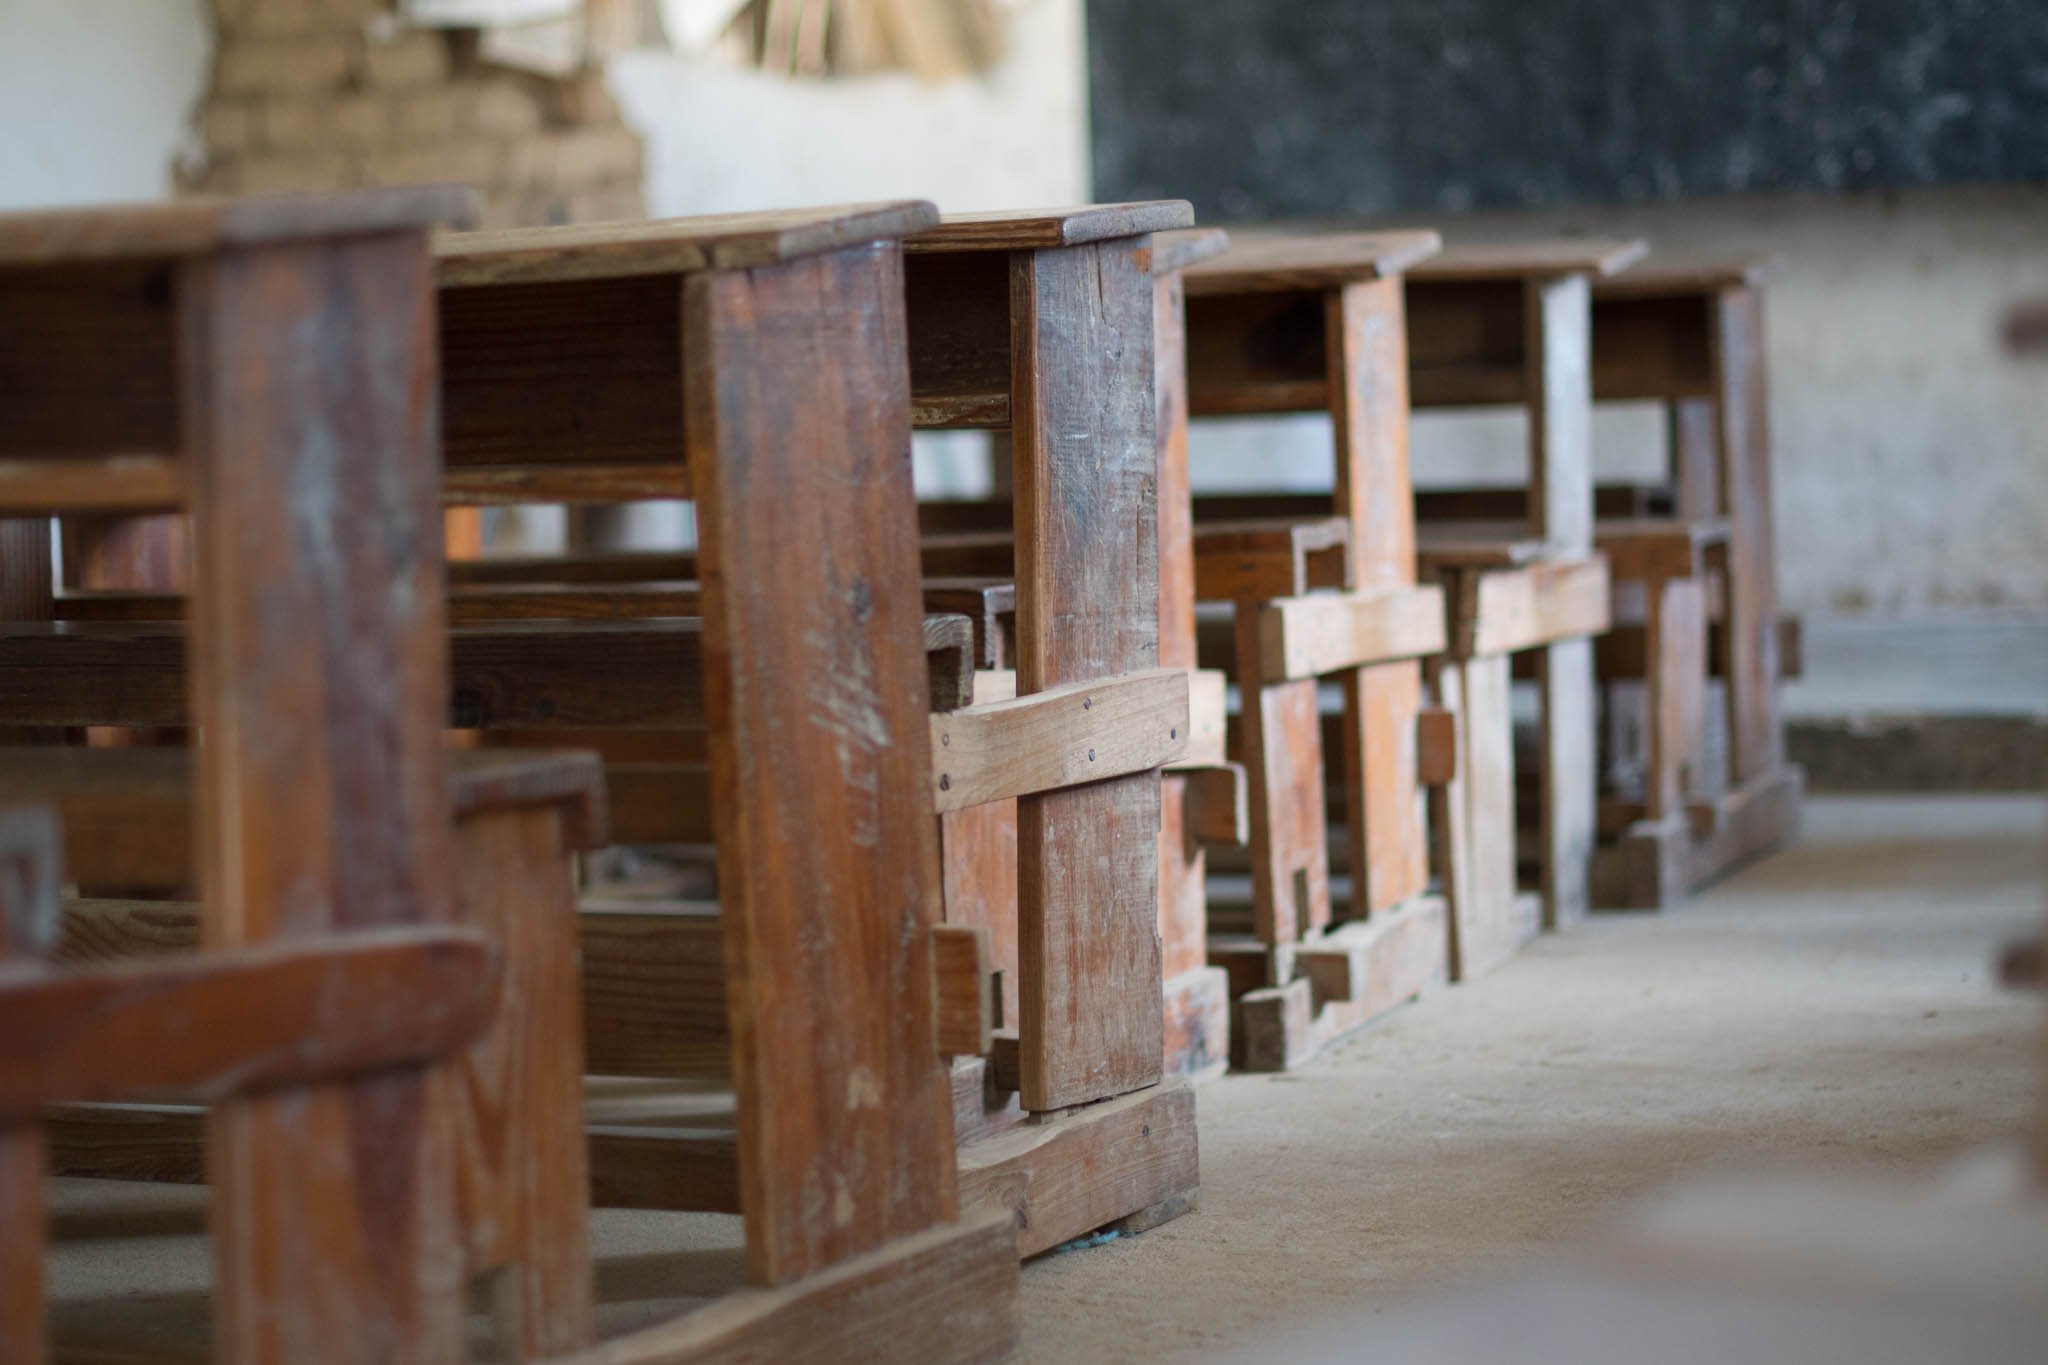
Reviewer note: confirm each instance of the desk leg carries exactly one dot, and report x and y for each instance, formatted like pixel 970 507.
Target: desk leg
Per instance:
pixel 798 427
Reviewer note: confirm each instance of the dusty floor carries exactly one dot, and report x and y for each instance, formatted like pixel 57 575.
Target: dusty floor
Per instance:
pixel 1832 1005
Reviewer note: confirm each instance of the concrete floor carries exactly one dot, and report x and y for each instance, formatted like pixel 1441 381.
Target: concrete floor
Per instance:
pixel 1832 1006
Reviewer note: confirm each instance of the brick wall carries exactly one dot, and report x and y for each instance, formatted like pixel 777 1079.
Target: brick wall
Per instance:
pixel 326 94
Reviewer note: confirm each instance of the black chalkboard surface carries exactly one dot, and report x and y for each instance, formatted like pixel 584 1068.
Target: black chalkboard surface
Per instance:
pixel 1274 108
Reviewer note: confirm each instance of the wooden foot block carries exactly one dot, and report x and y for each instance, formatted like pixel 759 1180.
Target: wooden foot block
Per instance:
pixel 948 1294
pixel 1066 1176
pixel 1655 863
pixel 1198 1023
pixel 1274 1026
pixel 1349 977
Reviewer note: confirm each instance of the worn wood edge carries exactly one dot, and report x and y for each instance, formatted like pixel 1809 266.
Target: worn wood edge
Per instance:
pixel 948 1294
pixel 1064 1177
pixel 1051 739
pixel 1175 251
pixel 1268 262
pixel 365 1001
pixel 512 486
pixel 1377 626
pixel 189 227
pixel 1038 229
pixel 667 246
pixel 1518 609
pixel 1675 275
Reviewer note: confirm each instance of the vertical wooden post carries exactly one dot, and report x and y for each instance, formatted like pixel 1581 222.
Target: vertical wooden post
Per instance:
pixel 796 376
pixel 28 928
pixel 1558 380
pixel 1280 737
pixel 319 689
pixel 1367 347
pixel 1675 627
pixel 1087 607
pixel 27 593
pixel 1183 865
pixel 1756 746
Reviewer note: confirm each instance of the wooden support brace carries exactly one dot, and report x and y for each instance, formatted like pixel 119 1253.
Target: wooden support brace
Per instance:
pixel 1060 737
pixel 1307 637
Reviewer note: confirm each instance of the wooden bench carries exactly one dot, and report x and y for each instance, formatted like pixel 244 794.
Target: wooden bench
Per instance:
pixel 736 360
pixel 1688 333
pixel 521 1169
pixel 1314 323
pixel 1510 325
pixel 300 1030
pixel 268 365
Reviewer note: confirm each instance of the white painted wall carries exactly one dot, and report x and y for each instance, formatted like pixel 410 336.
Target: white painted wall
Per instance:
pixel 1911 453
pixel 95 97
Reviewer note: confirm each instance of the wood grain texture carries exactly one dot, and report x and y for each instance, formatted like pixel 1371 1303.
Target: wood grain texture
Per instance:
pixel 114 483
pixel 669 246
pixel 522 1156
pixel 797 375
pixel 1084 440
pixel 27 593
pixel 1503 611
pixel 308 428
pixel 1040 229
pixel 947 1295
pixel 1276 262
pixel 276 1017
pixel 1065 1177
pixel 960 977
pixel 978 860
pixel 638 674
pixel 1281 744
pixel 1324 633
pixel 1175 251
pixel 1058 738
pixel 200 224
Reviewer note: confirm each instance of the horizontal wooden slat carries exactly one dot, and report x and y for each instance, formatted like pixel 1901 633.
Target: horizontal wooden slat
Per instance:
pixel 235 1021
pixel 1307 637
pixel 722 241
pixel 1470 262
pixel 92 483
pixel 594 674
pixel 591 483
pixel 1274 262
pixel 1060 737
pixel 185 227
pixel 1502 611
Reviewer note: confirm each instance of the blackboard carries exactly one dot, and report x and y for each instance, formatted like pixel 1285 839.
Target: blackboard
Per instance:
pixel 1277 108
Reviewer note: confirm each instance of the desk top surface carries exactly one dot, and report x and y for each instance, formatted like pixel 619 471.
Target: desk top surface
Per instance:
pixel 662 246
pixel 1669 274
pixel 1270 261
pixel 191 227
pixel 1488 262
pixel 1037 229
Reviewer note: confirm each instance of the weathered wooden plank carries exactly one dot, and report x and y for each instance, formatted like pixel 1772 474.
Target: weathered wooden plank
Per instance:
pixel 1570 782
pixel 1065 1177
pixel 1279 735
pixel 1756 738
pixel 204 223
pixel 1040 229
pixel 1059 737
pixel 796 376
pixel 308 434
pixel 247 1020
pixel 944 1295
pixel 639 674
pixel 1503 611
pixel 960 974
pixel 1279 262
pixel 669 246
pixel 1323 633
pixel 29 880
pixel 1084 437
